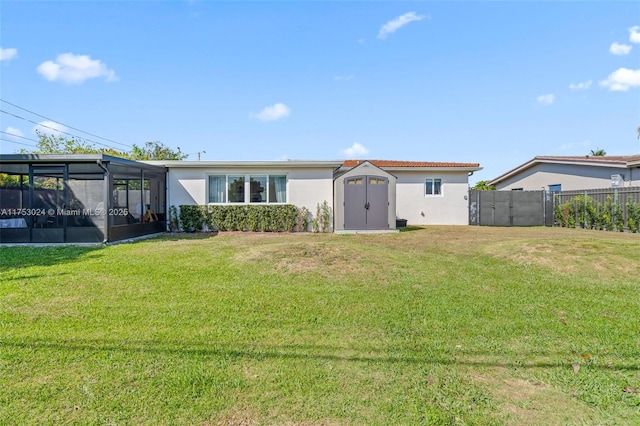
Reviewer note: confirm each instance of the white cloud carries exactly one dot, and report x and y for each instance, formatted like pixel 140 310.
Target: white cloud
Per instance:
pixel 72 68
pixel 13 131
pixel 50 128
pixel 355 150
pixel 580 86
pixel 343 77
pixel 619 49
pixel 634 34
pixel 546 99
pixel 622 80
pixel 8 54
pixel 275 112
pixel 395 24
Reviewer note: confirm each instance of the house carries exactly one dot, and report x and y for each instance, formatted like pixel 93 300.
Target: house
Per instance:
pixel 424 193
pixel 562 173
pixel 99 198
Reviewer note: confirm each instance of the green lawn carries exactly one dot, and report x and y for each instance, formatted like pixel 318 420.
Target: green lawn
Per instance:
pixel 443 325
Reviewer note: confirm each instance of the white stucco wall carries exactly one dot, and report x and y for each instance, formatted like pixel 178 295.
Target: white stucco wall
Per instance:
pixel 570 176
pixel 451 207
pixel 306 187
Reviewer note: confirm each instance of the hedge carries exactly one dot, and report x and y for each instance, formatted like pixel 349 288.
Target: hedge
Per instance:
pixel 243 217
pixel 591 214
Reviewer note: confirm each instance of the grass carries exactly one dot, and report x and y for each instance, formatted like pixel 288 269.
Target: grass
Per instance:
pixel 442 325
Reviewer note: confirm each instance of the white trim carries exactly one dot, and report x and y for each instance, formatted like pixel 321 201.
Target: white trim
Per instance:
pixel 433 179
pixel 248 164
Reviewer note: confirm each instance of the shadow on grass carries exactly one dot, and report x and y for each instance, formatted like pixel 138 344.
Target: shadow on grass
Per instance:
pixel 179 236
pixel 24 257
pixel 411 228
pixel 308 352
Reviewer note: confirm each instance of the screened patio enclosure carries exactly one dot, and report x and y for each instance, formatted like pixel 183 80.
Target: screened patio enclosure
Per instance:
pixel 79 198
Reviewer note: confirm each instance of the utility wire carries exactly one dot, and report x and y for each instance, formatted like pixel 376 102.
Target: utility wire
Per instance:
pixel 18 136
pixel 19 143
pixel 57 130
pixel 66 125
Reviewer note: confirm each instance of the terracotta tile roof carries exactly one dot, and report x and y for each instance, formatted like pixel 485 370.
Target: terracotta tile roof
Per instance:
pixel 408 164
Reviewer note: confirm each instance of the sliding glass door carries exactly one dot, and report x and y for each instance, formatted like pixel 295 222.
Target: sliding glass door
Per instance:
pixel 48 204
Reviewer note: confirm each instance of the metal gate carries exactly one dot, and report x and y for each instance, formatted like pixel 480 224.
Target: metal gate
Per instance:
pixel 510 208
pixel 366 202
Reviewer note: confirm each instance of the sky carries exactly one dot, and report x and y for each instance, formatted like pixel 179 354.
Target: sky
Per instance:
pixel 494 83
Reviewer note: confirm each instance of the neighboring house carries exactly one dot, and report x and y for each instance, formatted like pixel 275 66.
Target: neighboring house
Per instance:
pixel 563 173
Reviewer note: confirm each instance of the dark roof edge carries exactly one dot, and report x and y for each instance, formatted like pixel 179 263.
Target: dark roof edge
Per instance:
pixel 73 158
pixel 587 160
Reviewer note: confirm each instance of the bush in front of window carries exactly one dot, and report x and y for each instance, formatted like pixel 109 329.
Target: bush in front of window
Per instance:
pixel 191 218
pixel 246 217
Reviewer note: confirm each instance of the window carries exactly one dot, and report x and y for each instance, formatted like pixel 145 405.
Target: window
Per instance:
pixel 235 189
pixel 247 189
pixel 217 186
pixel 555 188
pixel 433 186
pixel 258 189
pixel 277 189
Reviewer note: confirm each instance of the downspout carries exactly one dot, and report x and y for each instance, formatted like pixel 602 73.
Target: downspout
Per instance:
pixel 106 200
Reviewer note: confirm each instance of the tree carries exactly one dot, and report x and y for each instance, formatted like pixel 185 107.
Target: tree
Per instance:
pixel 483 185
pixel 598 152
pixel 50 144
pixel 156 151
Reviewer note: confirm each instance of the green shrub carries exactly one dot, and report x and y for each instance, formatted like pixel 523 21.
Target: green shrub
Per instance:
pixel 633 215
pixel 215 218
pixel 612 215
pixel 322 221
pixel 565 214
pixel 191 218
pixel 303 219
pixel 591 214
pixel 243 217
pixel 174 222
pixel 587 211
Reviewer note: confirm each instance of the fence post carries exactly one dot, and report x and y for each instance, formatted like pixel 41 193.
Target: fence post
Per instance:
pixel 585 209
pixel 615 209
pixel 544 207
pixel 478 207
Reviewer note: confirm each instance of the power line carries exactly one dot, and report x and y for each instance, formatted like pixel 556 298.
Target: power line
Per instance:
pixel 66 125
pixel 57 130
pixel 19 143
pixel 18 136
